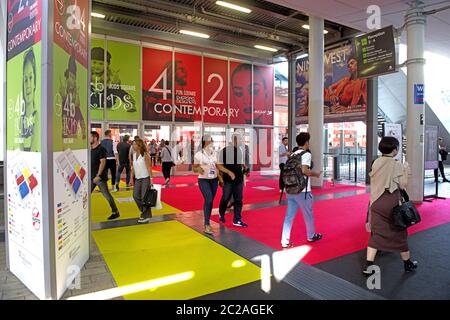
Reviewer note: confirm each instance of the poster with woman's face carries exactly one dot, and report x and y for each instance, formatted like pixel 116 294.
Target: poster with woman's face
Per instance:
pixel 188 87
pixel 263 78
pixel 157 91
pixel 240 93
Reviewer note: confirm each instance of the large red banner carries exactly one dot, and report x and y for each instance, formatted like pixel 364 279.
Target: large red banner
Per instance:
pixel 188 87
pixel 71 26
pixel 241 93
pixel 263 78
pixel 24 25
pixel 156 85
pixel 215 86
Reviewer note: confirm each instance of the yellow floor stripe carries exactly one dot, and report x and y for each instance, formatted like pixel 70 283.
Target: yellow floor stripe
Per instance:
pixel 172 260
pixel 100 209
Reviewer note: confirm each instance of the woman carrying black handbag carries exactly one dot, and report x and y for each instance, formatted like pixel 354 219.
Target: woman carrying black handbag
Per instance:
pixel 387 177
pixel 142 167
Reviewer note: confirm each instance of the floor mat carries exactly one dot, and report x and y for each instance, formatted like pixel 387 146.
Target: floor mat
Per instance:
pixel 185 263
pixel 342 222
pixel 100 209
pixel 191 199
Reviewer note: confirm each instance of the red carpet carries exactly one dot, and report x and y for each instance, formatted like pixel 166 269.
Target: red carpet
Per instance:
pixel 341 221
pixel 190 198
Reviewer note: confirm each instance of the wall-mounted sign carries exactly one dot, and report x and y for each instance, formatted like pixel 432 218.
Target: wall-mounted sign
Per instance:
pixel 419 93
pixel 375 52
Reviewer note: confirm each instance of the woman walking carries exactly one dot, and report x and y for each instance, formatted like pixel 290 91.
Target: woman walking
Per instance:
pixel 167 162
pixel 205 164
pixel 387 177
pixel 142 167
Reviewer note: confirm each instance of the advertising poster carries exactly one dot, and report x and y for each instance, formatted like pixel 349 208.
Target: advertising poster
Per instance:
pixel 188 87
pixel 263 79
pixel 24 25
pixel 157 85
pixel 70 139
pixel 431 147
pixel 345 96
pixel 395 130
pixel 97 98
pixel 240 93
pixel 123 92
pixel 23 144
pixel 215 86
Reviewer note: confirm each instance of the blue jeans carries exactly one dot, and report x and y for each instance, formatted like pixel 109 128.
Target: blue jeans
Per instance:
pixel 208 187
pixel 295 202
pixel 119 173
pixel 236 189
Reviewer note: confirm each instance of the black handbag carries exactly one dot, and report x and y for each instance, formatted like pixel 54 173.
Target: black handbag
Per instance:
pixel 405 214
pixel 150 197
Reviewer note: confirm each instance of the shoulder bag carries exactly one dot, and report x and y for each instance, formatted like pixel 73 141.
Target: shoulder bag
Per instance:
pixel 405 213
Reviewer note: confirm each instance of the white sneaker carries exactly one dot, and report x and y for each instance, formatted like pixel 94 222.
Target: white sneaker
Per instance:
pixel 141 220
pixel 113 190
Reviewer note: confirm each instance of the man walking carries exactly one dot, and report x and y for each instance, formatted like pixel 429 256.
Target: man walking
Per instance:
pixel 123 149
pixel 98 173
pixel 304 199
pixel 442 157
pixel 283 157
pixel 231 164
pixel 111 161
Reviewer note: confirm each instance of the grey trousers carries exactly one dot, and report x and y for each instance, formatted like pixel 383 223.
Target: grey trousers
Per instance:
pixel 140 187
pixel 103 185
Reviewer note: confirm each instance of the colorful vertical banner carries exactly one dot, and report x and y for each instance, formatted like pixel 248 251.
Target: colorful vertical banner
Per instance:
pixel 188 87
pixel 24 25
pixel 215 88
pixel 23 144
pixel 70 139
pixel 97 98
pixel 240 93
pixel 123 92
pixel 263 82
pixel 157 85
pixel 345 95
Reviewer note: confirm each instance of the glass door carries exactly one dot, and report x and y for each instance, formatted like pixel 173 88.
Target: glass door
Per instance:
pixel 218 135
pixel 119 130
pixel 97 127
pixel 186 141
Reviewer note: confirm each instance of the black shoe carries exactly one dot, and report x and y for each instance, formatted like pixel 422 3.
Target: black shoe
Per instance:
pixel 114 216
pixel 240 224
pixel 316 237
pixel 222 219
pixel 410 265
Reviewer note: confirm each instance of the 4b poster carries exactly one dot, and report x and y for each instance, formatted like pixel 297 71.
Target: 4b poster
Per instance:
pixel 157 94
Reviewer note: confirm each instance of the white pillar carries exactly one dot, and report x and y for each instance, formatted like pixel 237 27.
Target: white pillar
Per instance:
pixel 415 27
pixel 316 79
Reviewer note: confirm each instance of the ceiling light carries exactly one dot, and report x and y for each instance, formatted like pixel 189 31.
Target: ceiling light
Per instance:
pixel 306 26
pixel 233 6
pixel 195 34
pixel 98 15
pixel 265 48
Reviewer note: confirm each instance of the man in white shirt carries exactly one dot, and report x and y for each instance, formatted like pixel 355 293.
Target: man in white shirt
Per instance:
pixel 283 155
pixel 302 200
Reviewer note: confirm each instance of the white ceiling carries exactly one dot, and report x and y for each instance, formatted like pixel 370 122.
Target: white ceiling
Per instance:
pixel 352 13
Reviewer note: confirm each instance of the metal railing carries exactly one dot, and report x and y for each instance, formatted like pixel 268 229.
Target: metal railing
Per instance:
pixel 345 166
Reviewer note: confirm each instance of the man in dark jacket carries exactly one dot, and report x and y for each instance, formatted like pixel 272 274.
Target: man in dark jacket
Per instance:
pixel 123 150
pixel 111 161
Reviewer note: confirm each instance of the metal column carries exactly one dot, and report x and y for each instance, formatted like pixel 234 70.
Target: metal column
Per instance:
pixel 292 128
pixel 372 124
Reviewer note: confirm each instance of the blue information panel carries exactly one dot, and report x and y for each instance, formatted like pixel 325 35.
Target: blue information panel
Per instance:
pixel 419 94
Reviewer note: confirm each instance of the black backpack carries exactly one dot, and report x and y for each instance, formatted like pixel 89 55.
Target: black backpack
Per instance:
pixel 444 154
pixel 294 179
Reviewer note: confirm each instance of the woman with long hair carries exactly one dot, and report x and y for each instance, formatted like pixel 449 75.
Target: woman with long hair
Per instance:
pixel 387 177
pixel 142 168
pixel 205 164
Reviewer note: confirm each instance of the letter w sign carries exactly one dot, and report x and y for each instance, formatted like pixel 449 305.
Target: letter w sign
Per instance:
pixel 419 94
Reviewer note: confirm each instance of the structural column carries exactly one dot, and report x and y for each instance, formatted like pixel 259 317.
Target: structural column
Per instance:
pixel 415 27
pixel 372 124
pixel 316 83
pixel 292 128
